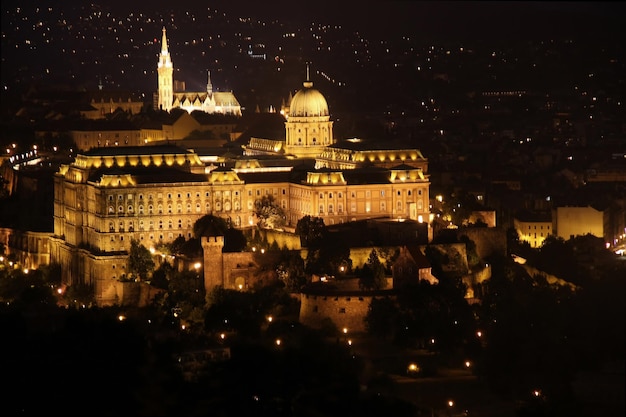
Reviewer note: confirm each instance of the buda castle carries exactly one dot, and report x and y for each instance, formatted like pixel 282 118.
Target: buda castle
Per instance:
pixel 109 196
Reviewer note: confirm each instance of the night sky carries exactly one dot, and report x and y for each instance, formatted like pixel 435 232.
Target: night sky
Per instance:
pixel 448 20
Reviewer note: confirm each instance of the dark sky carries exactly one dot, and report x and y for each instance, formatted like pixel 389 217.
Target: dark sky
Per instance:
pixel 451 19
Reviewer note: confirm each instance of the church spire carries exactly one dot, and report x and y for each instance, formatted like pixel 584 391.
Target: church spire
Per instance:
pixel 164 43
pixel 209 86
pixel 165 71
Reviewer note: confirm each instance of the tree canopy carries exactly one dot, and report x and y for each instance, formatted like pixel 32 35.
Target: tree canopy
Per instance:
pixel 140 260
pixel 269 212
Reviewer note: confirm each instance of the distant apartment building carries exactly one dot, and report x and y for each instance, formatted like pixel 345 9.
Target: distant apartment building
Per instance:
pixel 533 228
pixel 89 134
pixel 573 221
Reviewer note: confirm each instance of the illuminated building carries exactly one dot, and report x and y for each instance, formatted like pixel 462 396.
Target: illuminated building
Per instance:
pixel 533 228
pixel 171 94
pixel 111 195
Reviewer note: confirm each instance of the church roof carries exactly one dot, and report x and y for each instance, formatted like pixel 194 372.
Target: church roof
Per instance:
pixel 221 98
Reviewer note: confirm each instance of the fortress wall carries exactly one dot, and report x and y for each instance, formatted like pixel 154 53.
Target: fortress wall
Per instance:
pixel 346 311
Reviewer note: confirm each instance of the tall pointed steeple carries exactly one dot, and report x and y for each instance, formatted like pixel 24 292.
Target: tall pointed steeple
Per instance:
pixel 165 71
pixel 209 86
pixel 164 51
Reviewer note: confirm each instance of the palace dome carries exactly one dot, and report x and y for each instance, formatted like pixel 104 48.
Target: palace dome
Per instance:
pixel 308 102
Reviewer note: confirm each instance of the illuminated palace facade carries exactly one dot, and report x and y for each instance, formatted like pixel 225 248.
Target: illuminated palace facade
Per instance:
pixel 154 194
pixel 171 94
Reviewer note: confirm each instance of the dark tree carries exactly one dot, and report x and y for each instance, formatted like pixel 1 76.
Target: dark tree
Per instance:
pixel 372 276
pixel 269 212
pixel 209 225
pixel 382 317
pixel 140 260
pixel 311 231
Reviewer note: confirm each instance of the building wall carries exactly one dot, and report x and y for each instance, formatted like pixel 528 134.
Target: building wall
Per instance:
pixel 533 232
pixel 346 310
pixel 489 240
pixel 30 249
pixel 87 139
pixel 577 221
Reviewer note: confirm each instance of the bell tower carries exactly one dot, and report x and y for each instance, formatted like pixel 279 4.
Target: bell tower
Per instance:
pixel 165 71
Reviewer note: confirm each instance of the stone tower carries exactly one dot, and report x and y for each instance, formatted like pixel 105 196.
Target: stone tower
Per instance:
pixel 212 247
pixel 165 70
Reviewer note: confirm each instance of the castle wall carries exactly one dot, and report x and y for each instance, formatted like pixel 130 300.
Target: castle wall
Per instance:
pixel 489 240
pixel 287 240
pixel 345 311
pixel 239 270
